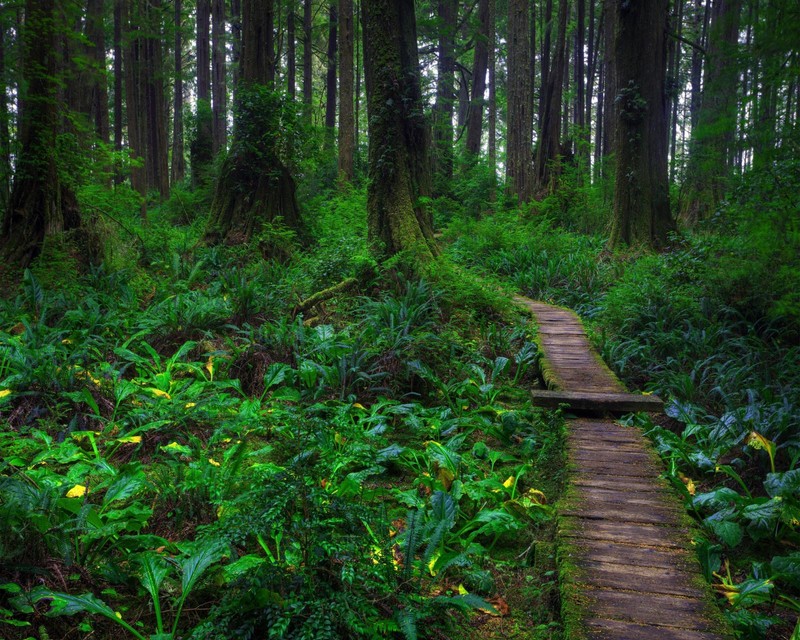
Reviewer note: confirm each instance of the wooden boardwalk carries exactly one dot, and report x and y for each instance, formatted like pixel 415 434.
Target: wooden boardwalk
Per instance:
pixel 627 569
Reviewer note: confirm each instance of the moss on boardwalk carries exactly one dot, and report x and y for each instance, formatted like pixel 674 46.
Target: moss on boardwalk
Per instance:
pixel 626 567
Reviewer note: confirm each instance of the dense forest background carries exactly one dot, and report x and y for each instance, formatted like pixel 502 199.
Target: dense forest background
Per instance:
pixel 256 330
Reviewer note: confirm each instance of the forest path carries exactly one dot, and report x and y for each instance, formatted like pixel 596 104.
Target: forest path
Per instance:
pixel 625 558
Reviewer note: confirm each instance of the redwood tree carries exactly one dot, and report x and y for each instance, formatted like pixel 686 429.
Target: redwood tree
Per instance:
pixel 520 122
pixel 398 132
pixel 40 204
pixel 711 153
pixel 346 88
pixel 641 199
pixel 255 185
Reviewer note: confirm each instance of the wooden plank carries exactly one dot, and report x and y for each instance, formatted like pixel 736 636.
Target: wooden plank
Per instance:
pixel 604 629
pixel 645 580
pixel 640 485
pixel 629 554
pixel 623 513
pixel 583 400
pixel 663 610
pixel 626 532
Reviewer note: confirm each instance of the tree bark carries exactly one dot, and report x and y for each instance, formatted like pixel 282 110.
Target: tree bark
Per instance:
pixel 330 77
pixel 481 63
pixel 518 152
pixel 548 150
pixel 96 49
pixel 119 79
pixel 155 102
pixel 255 186
pixel 398 132
pixel 641 199
pixel 134 100
pixel 202 146
pixel 492 115
pixel 347 125
pixel 711 156
pixel 219 91
pixel 445 98
pixel 291 51
pixel 178 168
pixel 5 137
pixel 40 204
pixel 307 60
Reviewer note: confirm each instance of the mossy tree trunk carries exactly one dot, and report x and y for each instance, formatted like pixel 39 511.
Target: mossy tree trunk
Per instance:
pixel 347 127
pixel 40 205
pixel 445 98
pixel 548 149
pixel 519 150
pixel 399 172
pixel 481 62
pixel 255 185
pixel 641 198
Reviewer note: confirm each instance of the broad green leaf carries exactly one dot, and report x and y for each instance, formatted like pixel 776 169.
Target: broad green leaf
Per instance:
pixel 201 557
pixel 241 566
pixel 788 567
pixel 763 515
pixel 153 571
pixel 783 484
pixel 729 533
pixel 124 486
pixel 67 604
pixel 716 500
pixel 443 507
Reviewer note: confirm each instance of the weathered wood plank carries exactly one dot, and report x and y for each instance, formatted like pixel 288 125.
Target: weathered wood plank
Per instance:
pixel 626 532
pixel 604 629
pixel 664 610
pixel 583 400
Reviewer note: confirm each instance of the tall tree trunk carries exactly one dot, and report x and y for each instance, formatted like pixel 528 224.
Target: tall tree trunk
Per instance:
pixel 674 86
pixel 156 159
pixel 641 199
pixel 582 145
pixel 219 89
pixel 359 66
pixel 307 60
pixel 134 99
pixel 119 80
pixel 347 124
pixel 255 187
pixel 40 204
pixel 5 137
pixel 546 57
pixel 202 146
pixel 710 158
pixel 481 62
pixel 398 133
pixel 492 115
pixel 609 78
pixel 771 61
pixel 519 121
pixel 178 168
pixel 236 38
pixel 548 151
pixel 330 77
pixel 95 34
pixel 445 98
pixel 701 15
pixel 291 51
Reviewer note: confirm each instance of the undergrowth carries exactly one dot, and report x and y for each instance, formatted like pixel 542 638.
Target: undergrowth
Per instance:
pixel 185 456
pixel 710 325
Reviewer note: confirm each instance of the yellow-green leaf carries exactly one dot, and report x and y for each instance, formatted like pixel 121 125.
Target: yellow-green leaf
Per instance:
pixel 77 491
